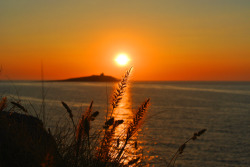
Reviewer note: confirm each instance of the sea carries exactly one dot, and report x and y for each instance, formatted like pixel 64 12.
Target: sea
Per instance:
pixel 177 110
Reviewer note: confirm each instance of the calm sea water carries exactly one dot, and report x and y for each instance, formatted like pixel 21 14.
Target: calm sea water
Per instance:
pixel 177 110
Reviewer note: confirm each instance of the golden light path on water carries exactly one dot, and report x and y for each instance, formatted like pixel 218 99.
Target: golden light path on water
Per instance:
pixel 126 113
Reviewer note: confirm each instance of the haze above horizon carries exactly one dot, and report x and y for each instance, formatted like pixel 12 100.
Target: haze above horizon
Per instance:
pixel 163 40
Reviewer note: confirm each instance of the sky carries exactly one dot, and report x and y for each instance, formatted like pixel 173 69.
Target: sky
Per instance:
pixel 166 40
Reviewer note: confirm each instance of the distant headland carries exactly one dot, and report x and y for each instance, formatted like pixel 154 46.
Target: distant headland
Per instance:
pixel 92 78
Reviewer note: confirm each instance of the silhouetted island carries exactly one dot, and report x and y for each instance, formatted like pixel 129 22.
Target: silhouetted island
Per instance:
pixel 92 78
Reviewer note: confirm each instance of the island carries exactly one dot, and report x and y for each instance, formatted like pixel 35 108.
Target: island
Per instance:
pixel 92 78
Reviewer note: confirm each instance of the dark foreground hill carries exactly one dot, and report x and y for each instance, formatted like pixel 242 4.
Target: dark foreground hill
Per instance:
pixel 92 78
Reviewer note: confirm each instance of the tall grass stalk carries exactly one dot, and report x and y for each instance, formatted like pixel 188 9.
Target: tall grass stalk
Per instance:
pixel 78 146
pixel 43 105
pixel 102 147
pixel 183 146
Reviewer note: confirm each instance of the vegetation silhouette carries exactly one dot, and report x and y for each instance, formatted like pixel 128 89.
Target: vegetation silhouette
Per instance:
pixel 24 140
pixel 92 78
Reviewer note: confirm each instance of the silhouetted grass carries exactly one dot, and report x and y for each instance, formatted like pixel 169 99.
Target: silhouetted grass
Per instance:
pixel 80 144
pixel 183 146
pixel 101 148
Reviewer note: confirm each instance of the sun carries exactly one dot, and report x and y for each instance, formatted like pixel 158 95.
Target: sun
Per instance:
pixel 122 59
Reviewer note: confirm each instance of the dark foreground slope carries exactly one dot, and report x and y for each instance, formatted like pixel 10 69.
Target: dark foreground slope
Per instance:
pixel 25 142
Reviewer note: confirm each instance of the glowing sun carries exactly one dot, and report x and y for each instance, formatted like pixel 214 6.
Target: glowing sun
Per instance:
pixel 122 59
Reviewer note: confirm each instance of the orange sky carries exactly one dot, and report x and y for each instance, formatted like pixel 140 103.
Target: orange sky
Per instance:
pixel 165 40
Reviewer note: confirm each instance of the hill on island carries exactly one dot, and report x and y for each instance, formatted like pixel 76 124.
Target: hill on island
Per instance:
pixel 93 78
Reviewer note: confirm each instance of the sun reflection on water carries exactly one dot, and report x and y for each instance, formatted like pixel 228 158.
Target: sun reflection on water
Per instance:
pixel 125 112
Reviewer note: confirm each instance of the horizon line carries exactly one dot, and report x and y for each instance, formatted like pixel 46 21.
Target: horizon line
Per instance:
pixel 59 80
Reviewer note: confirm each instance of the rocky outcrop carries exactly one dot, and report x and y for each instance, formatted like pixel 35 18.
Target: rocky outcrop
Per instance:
pixel 25 142
pixel 93 78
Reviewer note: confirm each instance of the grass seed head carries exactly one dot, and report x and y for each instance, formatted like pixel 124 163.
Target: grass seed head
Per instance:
pixel 68 109
pixel 19 106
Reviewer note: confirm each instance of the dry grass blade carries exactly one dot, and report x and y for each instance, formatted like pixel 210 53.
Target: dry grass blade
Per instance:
pixel 89 110
pixel 133 161
pixel 119 122
pixel 70 114
pixel 201 132
pixel 136 145
pixel 94 115
pixel 137 120
pixel 198 134
pixel 120 90
pixel 68 109
pixel 118 143
pixel 83 126
pixel 3 103
pixel 86 126
pixel 110 121
pixel 134 126
pixel 79 130
pixel 107 144
pixel 19 106
pixel 183 146
pixel 82 130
